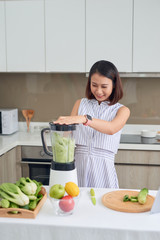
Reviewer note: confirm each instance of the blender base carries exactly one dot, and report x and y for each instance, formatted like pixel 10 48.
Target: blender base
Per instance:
pixel 62 177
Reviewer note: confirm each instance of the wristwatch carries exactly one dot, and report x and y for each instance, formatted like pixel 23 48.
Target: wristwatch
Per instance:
pixel 88 120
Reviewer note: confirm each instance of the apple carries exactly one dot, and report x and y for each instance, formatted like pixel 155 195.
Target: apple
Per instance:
pixel 66 203
pixel 57 191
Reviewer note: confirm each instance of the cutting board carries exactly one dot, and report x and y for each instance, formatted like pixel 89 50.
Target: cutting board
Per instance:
pixel 114 200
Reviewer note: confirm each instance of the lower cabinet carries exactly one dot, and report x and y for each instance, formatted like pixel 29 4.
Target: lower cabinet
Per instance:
pixel 10 166
pixel 138 169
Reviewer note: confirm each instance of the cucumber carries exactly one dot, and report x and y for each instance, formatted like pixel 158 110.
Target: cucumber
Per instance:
pixel 142 196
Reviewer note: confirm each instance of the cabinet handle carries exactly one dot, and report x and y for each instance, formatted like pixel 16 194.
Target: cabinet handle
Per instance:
pixel 38 163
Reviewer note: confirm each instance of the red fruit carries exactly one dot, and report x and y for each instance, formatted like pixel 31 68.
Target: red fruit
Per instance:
pixel 66 203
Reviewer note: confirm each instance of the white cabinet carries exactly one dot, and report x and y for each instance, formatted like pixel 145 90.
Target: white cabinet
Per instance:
pixel 2 38
pixel 109 33
pixel 65 35
pixel 25 35
pixel 146 41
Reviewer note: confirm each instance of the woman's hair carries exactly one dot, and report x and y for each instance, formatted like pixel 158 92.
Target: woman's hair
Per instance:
pixel 106 69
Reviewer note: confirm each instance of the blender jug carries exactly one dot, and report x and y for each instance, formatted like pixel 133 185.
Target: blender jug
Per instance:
pixel 63 168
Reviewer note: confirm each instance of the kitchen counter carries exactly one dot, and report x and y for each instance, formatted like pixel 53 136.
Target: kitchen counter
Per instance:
pixel 88 222
pixel 33 138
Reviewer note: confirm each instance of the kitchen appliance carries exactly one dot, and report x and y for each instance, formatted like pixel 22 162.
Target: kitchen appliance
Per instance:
pixel 8 121
pixel 63 168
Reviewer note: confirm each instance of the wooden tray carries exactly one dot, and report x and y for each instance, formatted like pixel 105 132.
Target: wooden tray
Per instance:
pixel 114 200
pixel 24 213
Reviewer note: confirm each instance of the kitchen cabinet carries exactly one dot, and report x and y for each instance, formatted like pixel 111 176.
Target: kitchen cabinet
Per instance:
pixel 146 41
pixel 2 38
pixel 65 35
pixel 25 36
pixel 109 33
pixel 10 167
pixel 138 169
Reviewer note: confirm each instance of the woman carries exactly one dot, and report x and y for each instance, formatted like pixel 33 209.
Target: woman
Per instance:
pixel 100 120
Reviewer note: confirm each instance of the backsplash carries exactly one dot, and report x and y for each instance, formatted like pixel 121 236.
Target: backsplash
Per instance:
pixel 53 94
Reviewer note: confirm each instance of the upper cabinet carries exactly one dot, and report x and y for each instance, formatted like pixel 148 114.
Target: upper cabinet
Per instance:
pixel 25 35
pixel 65 35
pixel 109 33
pixel 70 36
pixel 146 40
pixel 2 38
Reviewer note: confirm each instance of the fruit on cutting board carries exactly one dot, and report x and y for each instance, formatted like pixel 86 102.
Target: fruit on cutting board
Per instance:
pixel 57 191
pixel 72 189
pixel 66 203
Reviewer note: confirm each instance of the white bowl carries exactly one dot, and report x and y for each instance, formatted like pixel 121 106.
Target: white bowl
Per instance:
pixel 149 133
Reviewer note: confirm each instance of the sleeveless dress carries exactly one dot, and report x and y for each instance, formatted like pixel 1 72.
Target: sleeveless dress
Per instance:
pixel 95 151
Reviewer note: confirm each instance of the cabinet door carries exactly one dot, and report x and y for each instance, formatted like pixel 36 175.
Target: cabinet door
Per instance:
pixel 2 38
pixel 25 35
pixel 10 166
pixel 65 35
pixel 146 42
pixel 138 169
pixel 109 33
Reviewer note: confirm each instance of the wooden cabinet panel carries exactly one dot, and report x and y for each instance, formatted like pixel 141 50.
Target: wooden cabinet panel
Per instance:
pixel 138 169
pixel 10 166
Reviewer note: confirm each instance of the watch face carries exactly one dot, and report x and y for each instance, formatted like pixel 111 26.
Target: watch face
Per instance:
pixel 89 117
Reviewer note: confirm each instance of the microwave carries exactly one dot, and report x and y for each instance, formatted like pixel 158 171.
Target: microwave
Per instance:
pixel 8 121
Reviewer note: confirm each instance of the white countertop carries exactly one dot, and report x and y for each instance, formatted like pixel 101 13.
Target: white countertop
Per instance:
pixel 88 222
pixel 33 138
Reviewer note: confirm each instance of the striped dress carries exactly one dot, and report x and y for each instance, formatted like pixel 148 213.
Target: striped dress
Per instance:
pixel 95 151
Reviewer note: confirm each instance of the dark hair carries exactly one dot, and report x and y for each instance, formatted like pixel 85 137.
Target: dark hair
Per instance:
pixel 106 69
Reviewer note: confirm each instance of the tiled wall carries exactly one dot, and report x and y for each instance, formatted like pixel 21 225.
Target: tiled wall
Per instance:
pixel 51 95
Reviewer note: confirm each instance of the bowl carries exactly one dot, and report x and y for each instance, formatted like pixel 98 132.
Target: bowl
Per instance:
pixel 64 206
pixel 149 133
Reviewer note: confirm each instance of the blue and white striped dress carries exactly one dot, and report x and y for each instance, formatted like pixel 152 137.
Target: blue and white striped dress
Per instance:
pixel 95 151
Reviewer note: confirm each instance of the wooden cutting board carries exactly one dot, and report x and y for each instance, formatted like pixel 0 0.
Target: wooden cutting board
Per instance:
pixel 114 200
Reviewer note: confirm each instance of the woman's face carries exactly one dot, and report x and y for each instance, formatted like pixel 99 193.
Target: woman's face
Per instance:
pixel 101 87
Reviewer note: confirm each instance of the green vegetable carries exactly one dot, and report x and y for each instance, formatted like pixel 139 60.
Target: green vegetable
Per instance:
pixel 39 187
pixel 33 203
pixel 126 198
pixel 142 196
pixel 93 199
pixel 12 193
pixel 13 205
pixel 134 199
pixel 27 186
pixel 4 203
pixel 92 192
pixel 63 148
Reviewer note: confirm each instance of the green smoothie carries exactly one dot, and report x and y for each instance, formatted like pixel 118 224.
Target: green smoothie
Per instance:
pixel 63 148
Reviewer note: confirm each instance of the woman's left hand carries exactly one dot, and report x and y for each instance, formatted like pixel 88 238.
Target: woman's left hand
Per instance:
pixel 70 120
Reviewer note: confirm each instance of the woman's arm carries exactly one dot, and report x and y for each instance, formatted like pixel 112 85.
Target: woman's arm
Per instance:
pixel 107 127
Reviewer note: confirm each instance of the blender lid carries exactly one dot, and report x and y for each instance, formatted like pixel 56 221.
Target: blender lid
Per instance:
pixel 62 127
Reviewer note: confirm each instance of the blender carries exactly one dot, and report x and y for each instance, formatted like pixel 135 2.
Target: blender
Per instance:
pixel 63 168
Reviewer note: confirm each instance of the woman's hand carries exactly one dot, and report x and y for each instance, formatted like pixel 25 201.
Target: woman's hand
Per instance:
pixel 70 120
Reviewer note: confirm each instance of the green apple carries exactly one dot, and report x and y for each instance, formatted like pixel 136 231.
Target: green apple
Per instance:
pixel 57 191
